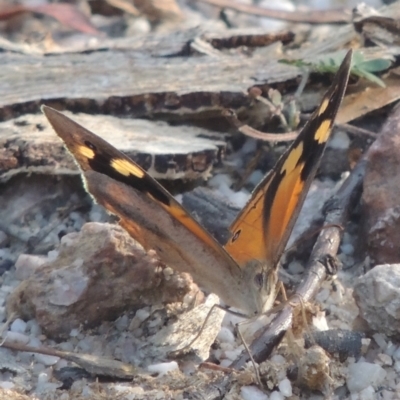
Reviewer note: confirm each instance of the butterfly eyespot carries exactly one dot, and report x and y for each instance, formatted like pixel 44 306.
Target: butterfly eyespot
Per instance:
pixel 90 145
pixel 236 236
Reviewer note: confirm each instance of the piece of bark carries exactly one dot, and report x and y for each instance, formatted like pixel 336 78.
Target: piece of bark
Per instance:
pixel 28 144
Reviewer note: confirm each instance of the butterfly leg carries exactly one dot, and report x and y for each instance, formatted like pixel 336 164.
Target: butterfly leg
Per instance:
pixel 256 370
pixel 187 348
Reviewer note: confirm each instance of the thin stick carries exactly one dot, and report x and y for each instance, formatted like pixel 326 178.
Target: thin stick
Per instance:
pixel 332 16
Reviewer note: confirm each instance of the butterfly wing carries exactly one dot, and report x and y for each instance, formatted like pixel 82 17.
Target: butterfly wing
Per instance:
pixel 150 214
pixel 262 229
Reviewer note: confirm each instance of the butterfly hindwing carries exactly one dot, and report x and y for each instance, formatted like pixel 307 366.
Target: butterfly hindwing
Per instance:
pixel 262 228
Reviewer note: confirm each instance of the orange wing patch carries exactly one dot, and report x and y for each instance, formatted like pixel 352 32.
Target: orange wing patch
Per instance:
pixel 247 241
pixel 262 229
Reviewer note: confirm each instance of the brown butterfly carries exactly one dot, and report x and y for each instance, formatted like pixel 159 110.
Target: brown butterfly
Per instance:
pixel 243 273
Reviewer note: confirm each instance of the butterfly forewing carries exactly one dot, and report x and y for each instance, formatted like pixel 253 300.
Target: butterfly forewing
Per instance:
pixel 150 214
pixel 262 228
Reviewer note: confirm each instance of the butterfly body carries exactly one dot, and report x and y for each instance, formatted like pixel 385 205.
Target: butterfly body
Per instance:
pixel 243 273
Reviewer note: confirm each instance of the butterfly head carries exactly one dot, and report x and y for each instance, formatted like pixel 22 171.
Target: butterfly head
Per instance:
pixel 263 281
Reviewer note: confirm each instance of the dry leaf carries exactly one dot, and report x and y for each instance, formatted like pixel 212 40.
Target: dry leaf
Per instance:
pixel 67 14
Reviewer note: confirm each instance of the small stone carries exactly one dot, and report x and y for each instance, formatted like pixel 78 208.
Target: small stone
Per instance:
pixel 34 328
pixel 323 295
pixel 295 267
pixel 6 385
pixel 377 294
pixel 367 394
pixel 285 387
pixel 275 395
pixel 122 323
pixel 347 249
pixel 380 340
pixel 163 368
pixel 363 374
pixel 45 359
pixel 384 360
pixel 142 314
pixel 72 290
pixel 252 393
pixel 18 326
pixel 17 337
pixel 74 332
pixel 396 354
pixel 225 335
pixel 27 264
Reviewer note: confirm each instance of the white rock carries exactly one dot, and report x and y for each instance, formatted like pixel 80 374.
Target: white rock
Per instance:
pixel 285 387
pixel 225 335
pixel 390 349
pixel 122 323
pixel 52 255
pixel 347 249
pixel 34 328
pixel 240 198
pixel 252 393
pixel 319 322
pixel 249 146
pixel 377 294
pixel 275 395
pixel 233 354
pixel 367 394
pixel 397 366
pixel 255 177
pixel 384 359
pixel 6 385
pixel 380 341
pixel 225 362
pixel 142 314
pixel 396 354
pixel 295 267
pixel 27 264
pixel 74 332
pixel 220 180
pixel 163 368
pixel 340 140
pixel 363 374
pixel 323 295
pixel 18 326
pixel 278 359
pixel 17 337
pixel 45 359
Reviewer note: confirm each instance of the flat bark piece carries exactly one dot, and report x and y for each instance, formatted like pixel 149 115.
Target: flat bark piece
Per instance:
pixel 28 144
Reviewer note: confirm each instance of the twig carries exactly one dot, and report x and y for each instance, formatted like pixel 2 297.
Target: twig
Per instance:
pixel 327 244
pixel 247 130
pixel 333 16
pixel 94 365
